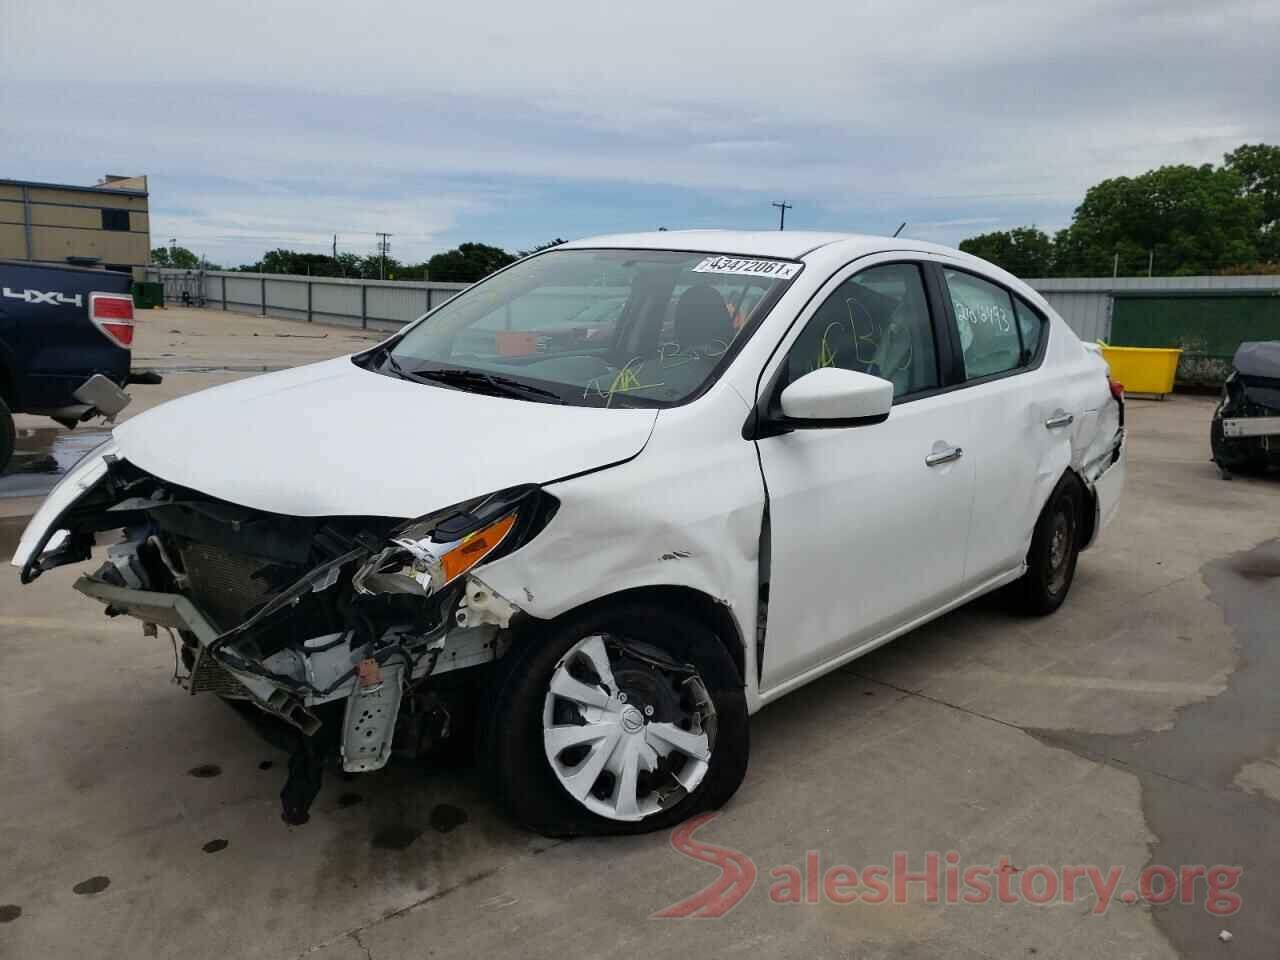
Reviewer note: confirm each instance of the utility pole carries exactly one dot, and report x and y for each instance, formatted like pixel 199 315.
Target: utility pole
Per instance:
pixel 1151 260
pixel 384 244
pixel 783 207
pixel 1115 266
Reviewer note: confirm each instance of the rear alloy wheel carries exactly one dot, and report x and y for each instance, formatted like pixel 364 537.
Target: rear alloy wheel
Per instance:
pixel 625 721
pixel 1055 548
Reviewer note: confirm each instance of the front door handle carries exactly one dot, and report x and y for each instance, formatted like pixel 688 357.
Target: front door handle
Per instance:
pixel 1059 419
pixel 943 456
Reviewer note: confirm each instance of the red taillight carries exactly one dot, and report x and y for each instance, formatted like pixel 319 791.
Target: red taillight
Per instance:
pixel 1117 389
pixel 112 313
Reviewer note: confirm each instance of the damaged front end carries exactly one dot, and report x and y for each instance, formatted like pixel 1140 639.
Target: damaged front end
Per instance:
pixel 352 633
pixel 1245 433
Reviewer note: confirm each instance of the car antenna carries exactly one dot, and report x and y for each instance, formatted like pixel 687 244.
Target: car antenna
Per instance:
pixel 901 227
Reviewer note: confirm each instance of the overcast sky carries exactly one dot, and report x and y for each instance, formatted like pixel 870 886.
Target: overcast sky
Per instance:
pixel 278 123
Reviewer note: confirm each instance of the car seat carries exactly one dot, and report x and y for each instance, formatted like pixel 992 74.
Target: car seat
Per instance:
pixel 702 320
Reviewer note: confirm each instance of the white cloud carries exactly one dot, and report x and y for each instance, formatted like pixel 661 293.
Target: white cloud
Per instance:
pixel 291 118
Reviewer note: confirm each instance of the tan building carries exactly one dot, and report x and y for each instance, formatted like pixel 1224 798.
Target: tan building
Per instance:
pixel 102 226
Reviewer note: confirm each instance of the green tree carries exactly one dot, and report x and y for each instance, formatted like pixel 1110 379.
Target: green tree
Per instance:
pixel 1173 220
pixel 347 265
pixel 179 257
pixel 1258 167
pixel 1023 251
pixel 539 248
pixel 1186 220
pixel 371 267
pixel 468 263
pixel 291 261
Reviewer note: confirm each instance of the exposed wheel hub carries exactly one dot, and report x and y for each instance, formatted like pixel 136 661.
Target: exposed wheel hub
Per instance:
pixel 1061 541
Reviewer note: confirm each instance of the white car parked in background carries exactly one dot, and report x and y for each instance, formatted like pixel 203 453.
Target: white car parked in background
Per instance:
pixel 764 455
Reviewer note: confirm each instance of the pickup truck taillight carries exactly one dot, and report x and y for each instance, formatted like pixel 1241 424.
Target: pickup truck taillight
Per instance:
pixel 112 313
pixel 1117 389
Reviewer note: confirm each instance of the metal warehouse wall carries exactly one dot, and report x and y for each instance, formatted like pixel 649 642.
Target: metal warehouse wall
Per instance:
pixel 1087 304
pixel 370 304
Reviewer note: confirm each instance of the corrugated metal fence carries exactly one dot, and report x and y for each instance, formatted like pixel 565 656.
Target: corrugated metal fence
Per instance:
pixel 370 304
pixel 1086 304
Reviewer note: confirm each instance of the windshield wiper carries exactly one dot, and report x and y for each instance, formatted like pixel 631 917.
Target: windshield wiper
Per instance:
pixel 487 382
pixel 388 358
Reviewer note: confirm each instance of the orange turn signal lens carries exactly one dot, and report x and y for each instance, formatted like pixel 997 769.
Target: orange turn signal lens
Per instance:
pixel 475 547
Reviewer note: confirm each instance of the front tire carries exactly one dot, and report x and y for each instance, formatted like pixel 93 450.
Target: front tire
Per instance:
pixel 619 720
pixel 1055 548
pixel 8 435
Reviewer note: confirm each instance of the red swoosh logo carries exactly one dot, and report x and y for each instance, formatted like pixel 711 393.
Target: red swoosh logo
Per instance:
pixel 737 874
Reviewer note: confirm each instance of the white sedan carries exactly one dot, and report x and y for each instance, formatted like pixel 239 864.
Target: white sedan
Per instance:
pixel 594 554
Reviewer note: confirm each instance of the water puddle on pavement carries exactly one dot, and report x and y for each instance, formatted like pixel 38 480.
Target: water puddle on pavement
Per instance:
pixel 10 533
pixel 44 454
pixel 223 368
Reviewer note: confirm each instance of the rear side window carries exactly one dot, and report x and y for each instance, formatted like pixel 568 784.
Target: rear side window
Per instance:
pixel 989 336
pixel 876 322
pixel 1031 326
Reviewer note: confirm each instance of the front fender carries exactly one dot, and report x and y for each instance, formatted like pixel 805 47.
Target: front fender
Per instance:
pixel 685 513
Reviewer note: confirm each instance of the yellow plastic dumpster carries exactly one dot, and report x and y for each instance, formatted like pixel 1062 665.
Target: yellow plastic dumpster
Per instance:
pixel 1142 369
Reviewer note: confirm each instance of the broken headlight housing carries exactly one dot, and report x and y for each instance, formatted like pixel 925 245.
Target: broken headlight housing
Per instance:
pixel 426 555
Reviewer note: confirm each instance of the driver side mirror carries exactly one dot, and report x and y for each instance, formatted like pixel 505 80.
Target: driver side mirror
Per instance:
pixel 835 397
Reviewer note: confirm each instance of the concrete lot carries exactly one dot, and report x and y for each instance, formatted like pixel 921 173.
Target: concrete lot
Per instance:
pixel 1140 724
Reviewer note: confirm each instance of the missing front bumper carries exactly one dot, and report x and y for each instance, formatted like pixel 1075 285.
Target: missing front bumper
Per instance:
pixel 176 612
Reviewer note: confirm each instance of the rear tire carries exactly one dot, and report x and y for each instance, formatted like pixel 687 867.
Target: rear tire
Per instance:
pixel 665 676
pixel 1055 548
pixel 8 435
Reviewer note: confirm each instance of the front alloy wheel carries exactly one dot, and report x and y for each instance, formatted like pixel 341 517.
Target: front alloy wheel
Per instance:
pixel 623 719
pixel 627 731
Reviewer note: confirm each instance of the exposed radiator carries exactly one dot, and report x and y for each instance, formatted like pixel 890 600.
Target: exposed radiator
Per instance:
pixel 209 676
pixel 223 585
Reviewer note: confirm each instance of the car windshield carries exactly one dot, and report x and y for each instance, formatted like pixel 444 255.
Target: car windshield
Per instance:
pixel 593 327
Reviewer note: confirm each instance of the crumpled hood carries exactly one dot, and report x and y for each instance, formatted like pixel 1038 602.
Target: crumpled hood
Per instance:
pixel 333 439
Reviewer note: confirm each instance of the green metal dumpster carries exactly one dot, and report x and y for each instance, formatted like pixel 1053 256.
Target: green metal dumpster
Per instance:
pixel 148 294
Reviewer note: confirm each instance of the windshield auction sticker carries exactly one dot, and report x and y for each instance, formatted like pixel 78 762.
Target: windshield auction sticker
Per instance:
pixel 775 269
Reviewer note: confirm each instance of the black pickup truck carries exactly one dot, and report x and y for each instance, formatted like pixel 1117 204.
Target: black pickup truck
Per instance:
pixel 65 339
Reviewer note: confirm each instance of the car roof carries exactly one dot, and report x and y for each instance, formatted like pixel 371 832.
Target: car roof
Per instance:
pixel 828 250
pixel 789 244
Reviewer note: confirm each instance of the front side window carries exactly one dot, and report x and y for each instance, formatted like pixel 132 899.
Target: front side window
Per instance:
pixel 876 322
pixel 593 327
pixel 989 338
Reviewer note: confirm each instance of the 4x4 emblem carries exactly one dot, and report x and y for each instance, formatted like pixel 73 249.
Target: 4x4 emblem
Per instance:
pixel 51 297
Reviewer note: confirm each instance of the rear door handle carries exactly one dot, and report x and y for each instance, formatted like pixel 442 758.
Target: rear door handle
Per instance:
pixel 1059 420
pixel 943 456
